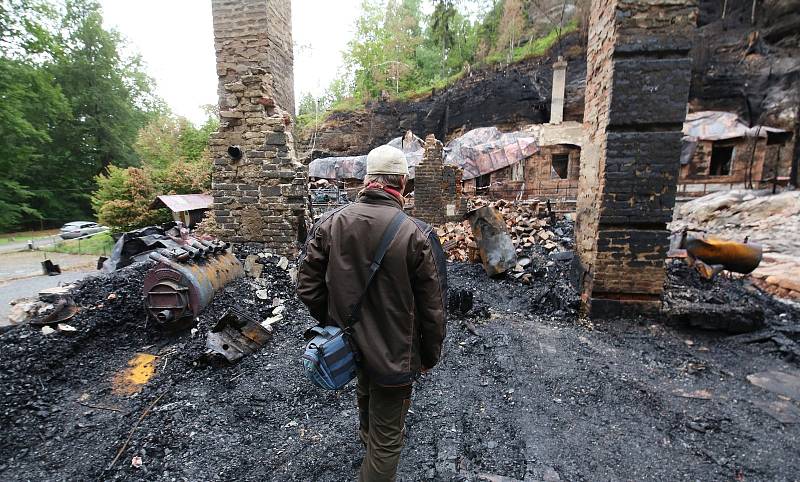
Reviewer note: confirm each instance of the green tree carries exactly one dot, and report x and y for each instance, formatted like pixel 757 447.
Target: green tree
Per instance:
pixel 512 24
pixel 110 99
pixel 26 28
pixel 185 177
pixel 193 140
pixel 123 198
pixel 442 31
pixel 366 51
pixel 30 103
pixel 167 139
pixel 158 143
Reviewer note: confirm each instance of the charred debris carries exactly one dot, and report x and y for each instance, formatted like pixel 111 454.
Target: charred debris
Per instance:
pixel 166 281
pixel 100 358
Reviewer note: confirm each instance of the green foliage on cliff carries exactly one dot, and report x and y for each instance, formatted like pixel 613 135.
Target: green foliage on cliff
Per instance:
pixel 400 52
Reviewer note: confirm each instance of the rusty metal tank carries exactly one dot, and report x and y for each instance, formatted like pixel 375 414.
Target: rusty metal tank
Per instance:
pixel 730 255
pixel 183 282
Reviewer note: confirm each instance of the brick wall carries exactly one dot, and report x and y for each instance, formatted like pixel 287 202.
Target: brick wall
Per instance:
pixel 260 193
pixel 637 86
pixel 254 37
pixel 437 188
pixel 452 196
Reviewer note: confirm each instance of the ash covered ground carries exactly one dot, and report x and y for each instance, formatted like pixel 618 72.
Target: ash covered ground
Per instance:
pixel 525 391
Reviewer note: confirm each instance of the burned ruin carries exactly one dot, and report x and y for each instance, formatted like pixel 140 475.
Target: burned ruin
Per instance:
pixel 637 86
pixel 437 188
pixel 258 185
pixel 687 376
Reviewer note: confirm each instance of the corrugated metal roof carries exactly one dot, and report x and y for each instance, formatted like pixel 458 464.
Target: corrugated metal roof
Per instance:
pixel 479 151
pixel 355 167
pixel 184 202
pixel 713 125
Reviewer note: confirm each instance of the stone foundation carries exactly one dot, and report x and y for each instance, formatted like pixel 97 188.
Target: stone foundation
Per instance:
pixel 637 86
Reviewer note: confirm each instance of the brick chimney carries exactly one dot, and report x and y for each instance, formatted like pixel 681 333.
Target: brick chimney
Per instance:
pixel 559 87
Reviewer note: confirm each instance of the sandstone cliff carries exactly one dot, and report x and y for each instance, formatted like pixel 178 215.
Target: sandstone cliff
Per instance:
pixel 750 69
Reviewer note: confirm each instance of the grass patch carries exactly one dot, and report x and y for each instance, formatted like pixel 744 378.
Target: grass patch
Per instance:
pixel 26 235
pixel 535 48
pixel 100 244
pixel 425 90
pixel 345 105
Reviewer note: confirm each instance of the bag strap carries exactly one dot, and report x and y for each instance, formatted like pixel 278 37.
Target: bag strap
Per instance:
pixel 386 240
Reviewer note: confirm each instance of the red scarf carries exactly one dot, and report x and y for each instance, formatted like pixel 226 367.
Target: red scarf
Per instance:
pixel 390 190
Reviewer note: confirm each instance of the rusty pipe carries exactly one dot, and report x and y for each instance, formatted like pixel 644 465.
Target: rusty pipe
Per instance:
pixel 196 254
pixel 176 253
pixel 732 256
pixel 200 247
pixel 209 246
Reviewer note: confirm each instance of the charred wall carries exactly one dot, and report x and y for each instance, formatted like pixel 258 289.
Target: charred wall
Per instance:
pixel 748 64
pixel 636 90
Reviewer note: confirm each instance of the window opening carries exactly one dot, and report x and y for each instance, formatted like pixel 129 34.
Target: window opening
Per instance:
pixel 721 157
pixel 559 164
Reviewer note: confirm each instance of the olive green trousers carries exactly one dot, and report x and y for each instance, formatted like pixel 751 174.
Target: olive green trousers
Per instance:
pixel 382 417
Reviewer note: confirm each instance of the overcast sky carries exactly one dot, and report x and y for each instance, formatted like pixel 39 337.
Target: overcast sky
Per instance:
pixel 176 41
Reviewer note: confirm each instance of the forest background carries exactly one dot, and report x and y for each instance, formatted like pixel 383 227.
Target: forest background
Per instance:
pixel 82 134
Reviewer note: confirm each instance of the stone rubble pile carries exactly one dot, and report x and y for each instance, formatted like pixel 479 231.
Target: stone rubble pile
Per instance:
pixel 528 223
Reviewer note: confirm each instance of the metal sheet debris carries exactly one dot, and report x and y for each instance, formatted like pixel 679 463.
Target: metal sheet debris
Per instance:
pixel 236 335
pixel 61 310
pixel 494 243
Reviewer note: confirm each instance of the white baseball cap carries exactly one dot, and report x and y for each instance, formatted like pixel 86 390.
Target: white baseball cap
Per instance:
pixel 387 160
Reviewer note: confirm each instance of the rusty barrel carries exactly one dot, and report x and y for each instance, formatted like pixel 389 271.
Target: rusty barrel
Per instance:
pixel 175 293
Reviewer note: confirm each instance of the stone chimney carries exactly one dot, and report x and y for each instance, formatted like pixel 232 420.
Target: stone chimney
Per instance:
pixel 559 87
pixel 258 185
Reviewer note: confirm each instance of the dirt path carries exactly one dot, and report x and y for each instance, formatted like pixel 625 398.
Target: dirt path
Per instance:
pixel 26 264
pixel 535 395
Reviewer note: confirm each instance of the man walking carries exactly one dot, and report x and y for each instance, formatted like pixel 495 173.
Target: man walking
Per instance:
pixel 402 323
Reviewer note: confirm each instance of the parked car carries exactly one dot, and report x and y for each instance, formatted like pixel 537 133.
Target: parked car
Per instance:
pixel 77 229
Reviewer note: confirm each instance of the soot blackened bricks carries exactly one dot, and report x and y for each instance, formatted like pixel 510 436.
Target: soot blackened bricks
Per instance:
pixel 637 86
pixel 259 187
pixel 437 188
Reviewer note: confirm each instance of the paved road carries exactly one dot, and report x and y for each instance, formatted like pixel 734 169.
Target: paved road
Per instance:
pixel 31 286
pixel 21 274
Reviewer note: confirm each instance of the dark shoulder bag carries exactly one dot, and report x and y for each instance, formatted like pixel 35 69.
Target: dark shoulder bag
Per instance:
pixel 331 356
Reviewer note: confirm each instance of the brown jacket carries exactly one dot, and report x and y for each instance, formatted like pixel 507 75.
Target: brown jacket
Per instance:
pixel 402 323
